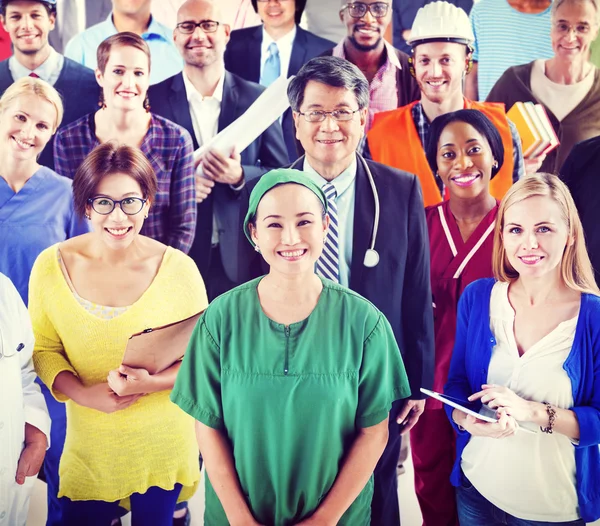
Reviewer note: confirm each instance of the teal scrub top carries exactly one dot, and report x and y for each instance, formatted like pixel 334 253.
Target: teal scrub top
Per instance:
pixel 290 399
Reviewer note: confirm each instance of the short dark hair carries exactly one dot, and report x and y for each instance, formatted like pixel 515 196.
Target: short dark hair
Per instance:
pixel 107 159
pixel 123 39
pixel 332 71
pixel 51 8
pixel 300 5
pixel 474 118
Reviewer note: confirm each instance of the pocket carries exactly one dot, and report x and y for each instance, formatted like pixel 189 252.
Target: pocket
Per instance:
pixel 465 483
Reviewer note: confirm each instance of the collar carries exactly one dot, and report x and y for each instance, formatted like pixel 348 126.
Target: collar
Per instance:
pixel 45 70
pixel 192 92
pixel 391 55
pixel 155 28
pixel 341 183
pixel 285 41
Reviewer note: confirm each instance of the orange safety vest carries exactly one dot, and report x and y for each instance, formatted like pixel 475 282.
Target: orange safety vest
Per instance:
pixel 395 141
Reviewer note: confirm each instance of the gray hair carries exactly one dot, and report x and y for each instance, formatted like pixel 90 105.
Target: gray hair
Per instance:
pixel 332 71
pixel 557 3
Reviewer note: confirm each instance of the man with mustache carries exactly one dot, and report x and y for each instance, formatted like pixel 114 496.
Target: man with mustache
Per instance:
pixel 442 47
pixel 386 68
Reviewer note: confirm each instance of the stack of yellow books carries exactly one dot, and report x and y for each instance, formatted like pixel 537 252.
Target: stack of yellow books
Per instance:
pixel 535 129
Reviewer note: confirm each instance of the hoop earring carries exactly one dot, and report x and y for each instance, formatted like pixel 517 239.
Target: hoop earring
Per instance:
pixel 147 103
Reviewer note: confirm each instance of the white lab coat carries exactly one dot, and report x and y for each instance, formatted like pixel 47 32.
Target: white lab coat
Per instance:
pixel 21 401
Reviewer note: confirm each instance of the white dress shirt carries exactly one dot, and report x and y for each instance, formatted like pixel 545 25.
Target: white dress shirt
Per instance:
pixel 284 45
pixel 529 475
pixel 21 401
pixel 205 112
pixel 49 70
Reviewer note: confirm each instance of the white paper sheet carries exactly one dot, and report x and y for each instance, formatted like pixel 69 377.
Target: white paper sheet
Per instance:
pixel 242 132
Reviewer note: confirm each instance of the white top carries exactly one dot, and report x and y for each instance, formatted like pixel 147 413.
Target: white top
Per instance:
pixel 528 475
pixel 561 99
pixel 205 113
pixel 21 401
pixel 284 45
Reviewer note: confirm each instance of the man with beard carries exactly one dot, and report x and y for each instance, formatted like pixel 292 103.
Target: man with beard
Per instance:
pixel 205 99
pixel 441 40
pixel 386 68
pixel 28 23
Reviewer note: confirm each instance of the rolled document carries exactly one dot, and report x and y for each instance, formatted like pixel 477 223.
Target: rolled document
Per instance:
pixel 242 132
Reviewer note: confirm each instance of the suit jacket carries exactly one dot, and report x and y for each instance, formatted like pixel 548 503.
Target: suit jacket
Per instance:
pixel 399 285
pixel 79 92
pixel 169 99
pixel 408 89
pixel 243 57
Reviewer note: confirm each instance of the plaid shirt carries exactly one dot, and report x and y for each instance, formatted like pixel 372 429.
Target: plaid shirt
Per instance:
pixel 423 126
pixel 383 91
pixel 168 147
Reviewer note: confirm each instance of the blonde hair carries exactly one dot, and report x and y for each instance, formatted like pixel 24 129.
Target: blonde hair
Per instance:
pixel 34 86
pixel 575 267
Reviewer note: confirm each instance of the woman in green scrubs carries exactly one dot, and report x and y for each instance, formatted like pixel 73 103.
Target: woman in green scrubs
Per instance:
pixel 290 377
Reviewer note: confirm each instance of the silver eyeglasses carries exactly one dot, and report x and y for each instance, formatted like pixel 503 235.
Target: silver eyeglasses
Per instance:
pixel 336 115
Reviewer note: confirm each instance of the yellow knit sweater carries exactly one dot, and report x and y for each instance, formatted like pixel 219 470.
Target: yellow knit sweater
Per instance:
pixel 151 443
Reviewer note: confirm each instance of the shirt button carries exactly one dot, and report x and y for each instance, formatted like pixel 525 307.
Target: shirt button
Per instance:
pixel 2 515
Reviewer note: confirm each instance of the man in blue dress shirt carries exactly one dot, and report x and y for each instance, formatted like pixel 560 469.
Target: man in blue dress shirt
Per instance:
pixel 134 16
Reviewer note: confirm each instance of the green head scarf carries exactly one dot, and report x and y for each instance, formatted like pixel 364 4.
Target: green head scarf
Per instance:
pixel 272 179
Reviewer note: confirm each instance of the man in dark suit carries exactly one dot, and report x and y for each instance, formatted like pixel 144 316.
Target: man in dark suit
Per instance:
pixel 29 24
pixel 279 46
pixel 387 69
pixel 329 99
pixel 205 99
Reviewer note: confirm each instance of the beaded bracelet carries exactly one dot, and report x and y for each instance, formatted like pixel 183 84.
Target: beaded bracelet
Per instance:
pixel 551 418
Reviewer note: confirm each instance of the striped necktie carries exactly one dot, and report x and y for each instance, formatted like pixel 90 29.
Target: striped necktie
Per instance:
pixel 272 67
pixel 328 265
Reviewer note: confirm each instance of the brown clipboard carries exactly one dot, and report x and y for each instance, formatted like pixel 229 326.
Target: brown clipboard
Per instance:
pixel 158 348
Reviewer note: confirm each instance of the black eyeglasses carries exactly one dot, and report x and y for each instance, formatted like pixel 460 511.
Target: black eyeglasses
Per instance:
pixel 105 205
pixel 208 26
pixel 359 9
pixel 336 115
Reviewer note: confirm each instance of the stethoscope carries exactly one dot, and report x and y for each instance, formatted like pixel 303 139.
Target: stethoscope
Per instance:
pixel 371 255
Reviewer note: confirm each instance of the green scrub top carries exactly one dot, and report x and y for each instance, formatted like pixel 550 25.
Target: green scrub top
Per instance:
pixel 290 399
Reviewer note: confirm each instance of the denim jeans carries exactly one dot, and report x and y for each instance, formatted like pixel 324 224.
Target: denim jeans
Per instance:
pixel 475 510
pixel 153 508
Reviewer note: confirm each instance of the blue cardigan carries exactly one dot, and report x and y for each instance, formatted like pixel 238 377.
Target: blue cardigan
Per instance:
pixel 469 370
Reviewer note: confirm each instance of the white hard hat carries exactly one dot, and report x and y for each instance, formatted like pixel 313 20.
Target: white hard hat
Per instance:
pixel 441 22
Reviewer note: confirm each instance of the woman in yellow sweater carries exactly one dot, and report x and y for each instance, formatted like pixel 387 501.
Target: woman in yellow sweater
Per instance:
pixel 88 295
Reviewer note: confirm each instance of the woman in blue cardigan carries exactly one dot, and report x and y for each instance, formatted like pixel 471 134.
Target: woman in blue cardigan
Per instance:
pixel 528 349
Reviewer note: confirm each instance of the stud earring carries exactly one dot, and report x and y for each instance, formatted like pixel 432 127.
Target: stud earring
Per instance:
pixel 257 248
pixel 495 165
pixel 87 216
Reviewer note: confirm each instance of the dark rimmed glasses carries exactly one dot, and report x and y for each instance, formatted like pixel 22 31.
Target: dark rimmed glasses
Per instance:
pixel 105 205
pixel 336 115
pixel 188 27
pixel 359 9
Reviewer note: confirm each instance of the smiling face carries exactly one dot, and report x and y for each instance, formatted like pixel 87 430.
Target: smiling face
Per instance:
pixel 366 33
pixel 439 69
pixel 201 49
pixel 26 125
pixel 464 160
pixel 330 145
pixel 28 24
pixel 290 229
pixel 131 7
pixel 535 235
pixel 125 79
pixel 279 16
pixel 574 28
pixel 117 229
